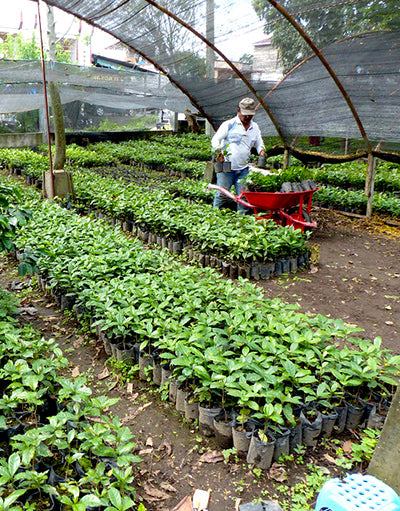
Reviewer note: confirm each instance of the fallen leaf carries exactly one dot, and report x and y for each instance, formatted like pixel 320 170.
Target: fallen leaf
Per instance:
pixel 168 487
pixel 75 372
pixel 149 441
pixel 324 470
pixel 347 447
pixel 95 419
pixel 278 473
pixel 50 305
pixel 389 323
pixel 78 342
pixel 330 458
pixel 234 467
pixel 32 311
pixel 153 493
pixel 129 418
pixel 105 373
pixel 129 388
pixel 211 457
pixel 185 504
pixel 50 318
pixel 133 397
pixel 165 445
pixel 114 384
pixel 142 452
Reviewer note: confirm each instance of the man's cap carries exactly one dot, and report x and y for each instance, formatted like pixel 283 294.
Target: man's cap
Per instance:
pixel 247 106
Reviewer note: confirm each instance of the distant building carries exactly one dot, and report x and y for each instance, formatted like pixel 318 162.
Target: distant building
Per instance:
pixel 121 52
pixel 266 62
pixel 222 70
pixel 265 66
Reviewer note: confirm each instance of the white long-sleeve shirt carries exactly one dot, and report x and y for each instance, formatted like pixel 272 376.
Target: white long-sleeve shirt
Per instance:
pixel 240 141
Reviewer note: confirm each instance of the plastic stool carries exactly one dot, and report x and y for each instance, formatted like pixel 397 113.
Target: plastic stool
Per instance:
pixel 357 492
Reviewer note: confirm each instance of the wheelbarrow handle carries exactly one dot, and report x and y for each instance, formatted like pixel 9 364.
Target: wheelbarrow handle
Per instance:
pixel 229 194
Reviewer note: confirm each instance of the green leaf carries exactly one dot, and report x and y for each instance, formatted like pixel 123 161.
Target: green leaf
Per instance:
pixel 90 500
pixel 15 495
pixel 14 462
pixel 115 497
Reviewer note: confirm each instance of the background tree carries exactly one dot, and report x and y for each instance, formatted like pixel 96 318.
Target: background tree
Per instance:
pixel 325 22
pixel 17 46
pixel 191 64
pixel 161 35
pixel 246 58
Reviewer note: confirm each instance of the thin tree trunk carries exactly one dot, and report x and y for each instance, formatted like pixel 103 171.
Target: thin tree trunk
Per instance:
pixel 55 99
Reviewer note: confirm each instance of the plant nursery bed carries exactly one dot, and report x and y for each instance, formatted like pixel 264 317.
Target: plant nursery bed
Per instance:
pixel 356 279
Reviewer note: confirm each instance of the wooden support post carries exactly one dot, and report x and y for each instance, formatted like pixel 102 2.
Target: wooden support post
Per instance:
pixel 369 183
pixel 286 158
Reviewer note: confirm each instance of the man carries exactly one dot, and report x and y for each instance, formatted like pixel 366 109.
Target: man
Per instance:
pixel 235 138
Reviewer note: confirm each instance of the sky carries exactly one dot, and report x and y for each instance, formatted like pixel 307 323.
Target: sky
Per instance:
pixel 245 27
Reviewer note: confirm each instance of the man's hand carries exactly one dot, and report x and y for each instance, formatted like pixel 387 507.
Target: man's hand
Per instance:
pixel 219 155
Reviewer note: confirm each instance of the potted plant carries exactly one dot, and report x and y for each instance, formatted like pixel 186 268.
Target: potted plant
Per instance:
pixel 262 444
pixel 222 164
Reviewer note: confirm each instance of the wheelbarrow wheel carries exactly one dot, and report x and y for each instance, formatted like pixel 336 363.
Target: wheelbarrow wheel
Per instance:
pixel 296 220
pixel 294 211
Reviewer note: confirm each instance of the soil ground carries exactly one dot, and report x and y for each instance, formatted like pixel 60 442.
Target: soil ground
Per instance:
pixel 357 279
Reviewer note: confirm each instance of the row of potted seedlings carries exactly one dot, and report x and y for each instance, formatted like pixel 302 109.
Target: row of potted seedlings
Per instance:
pixel 329 196
pixel 60 449
pixel 147 154
pixel 237 245
pixel 268 367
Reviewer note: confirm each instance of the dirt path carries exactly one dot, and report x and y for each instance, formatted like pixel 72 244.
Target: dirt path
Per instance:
pixel 357 278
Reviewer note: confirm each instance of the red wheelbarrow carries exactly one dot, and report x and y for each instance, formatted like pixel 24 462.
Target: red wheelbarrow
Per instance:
pixel 288 208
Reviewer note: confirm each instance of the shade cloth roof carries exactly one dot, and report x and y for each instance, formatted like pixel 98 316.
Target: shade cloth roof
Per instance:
pixel 346 88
